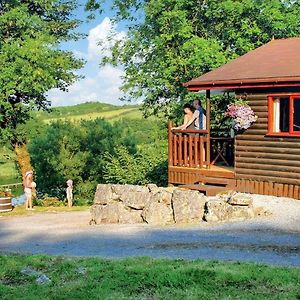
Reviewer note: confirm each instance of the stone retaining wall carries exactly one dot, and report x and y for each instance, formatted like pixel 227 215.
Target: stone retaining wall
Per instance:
pixel 129 204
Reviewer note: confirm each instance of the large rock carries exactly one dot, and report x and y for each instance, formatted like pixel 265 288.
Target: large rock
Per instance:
pixel 115 212
pixel 120 189
pixel 153 188
pixel 215 210
pixel 106 213
pixel 219 211
pixel 169 189
pixel 188 206
pixel 135 199
pixel 130 216
pixel 158 213
pixel 104 194
pixel 235 198
pixel 162 196
pixel 241 199
pixel 226 195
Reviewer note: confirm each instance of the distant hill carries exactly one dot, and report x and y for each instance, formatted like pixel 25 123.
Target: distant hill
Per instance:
pixel 90 111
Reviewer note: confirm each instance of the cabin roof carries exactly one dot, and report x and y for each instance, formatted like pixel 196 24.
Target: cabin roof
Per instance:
pixel 276 63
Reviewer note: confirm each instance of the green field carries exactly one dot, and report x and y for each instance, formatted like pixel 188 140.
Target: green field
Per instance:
pixel 90 111
pixel 144 278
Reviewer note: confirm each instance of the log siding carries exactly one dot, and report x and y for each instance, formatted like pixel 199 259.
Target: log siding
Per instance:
pixel 265 164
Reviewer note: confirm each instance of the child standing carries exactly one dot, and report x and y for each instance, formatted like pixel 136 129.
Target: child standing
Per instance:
pixel 28 184
pixel 70 192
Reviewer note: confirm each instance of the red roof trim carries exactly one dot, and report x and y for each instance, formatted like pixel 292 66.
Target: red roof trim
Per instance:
pixel 241 86
pixel 242 81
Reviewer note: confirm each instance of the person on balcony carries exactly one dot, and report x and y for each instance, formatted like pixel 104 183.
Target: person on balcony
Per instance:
pixel 198 121
pixel 188 111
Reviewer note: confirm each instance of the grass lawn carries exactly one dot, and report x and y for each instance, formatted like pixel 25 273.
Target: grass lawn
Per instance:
pixel 21 211
pixel 144 278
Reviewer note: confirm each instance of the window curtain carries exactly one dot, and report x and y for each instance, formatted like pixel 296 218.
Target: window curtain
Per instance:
pixel 276 115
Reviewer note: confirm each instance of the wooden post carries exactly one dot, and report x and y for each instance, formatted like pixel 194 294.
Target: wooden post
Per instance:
pixel 201 151
pixel 190 152
pixel 196 146
pixel 175 148
pixel 208 128
pixel 180 150
pixel 185 150
pixel 170 143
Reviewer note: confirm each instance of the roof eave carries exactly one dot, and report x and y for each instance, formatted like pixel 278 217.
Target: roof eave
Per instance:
pixel 241 85
pixel 234 84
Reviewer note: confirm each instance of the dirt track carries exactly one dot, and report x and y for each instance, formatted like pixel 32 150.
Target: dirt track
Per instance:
pixel 274 239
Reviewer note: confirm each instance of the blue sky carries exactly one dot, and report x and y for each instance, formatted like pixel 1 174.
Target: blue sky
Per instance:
pixel 100 83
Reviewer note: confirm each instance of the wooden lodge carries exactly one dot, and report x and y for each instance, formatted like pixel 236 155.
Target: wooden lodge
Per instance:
pixel 265 157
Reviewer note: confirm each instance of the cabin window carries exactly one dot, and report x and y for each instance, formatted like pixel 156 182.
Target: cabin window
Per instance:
pixel 284 115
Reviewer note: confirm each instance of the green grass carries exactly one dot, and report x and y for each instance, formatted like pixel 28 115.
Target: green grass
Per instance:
pixel 145 278
pixel 21 211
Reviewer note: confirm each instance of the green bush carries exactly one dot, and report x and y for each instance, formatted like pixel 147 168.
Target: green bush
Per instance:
pixel 74 150
pixel 96 151
pixel 147 165
pixel 48 201
pixel 84 193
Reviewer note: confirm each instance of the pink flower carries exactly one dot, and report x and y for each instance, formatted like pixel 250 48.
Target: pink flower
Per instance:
pixel 242 115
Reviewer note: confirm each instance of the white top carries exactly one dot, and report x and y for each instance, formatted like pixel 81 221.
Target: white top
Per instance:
pixel 197 120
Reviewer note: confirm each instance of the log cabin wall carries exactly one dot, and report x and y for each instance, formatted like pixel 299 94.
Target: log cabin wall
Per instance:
pixel 263 164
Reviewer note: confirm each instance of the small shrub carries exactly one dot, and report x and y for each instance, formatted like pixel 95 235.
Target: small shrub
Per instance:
pixel 47 201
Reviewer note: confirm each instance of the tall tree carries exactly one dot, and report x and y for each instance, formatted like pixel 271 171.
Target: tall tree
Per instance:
pixel 31 62
pixel 171 41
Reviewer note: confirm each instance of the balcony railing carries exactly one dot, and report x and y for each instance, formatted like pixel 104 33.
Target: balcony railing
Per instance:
pixel 197 149
pixel 189 148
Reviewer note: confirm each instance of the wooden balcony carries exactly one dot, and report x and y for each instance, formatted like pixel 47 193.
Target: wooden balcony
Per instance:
pixel 190 163
pixel 188 148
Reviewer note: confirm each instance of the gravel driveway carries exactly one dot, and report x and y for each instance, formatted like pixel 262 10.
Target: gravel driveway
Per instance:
pixel 273 239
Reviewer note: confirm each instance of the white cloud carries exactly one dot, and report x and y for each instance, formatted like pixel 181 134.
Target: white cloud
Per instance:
pixel 104 87
pixel 101 37
pixel 80 55
pixel 100 83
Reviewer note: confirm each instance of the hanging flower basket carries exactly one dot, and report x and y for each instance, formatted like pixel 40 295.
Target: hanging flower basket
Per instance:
pixel 242 116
